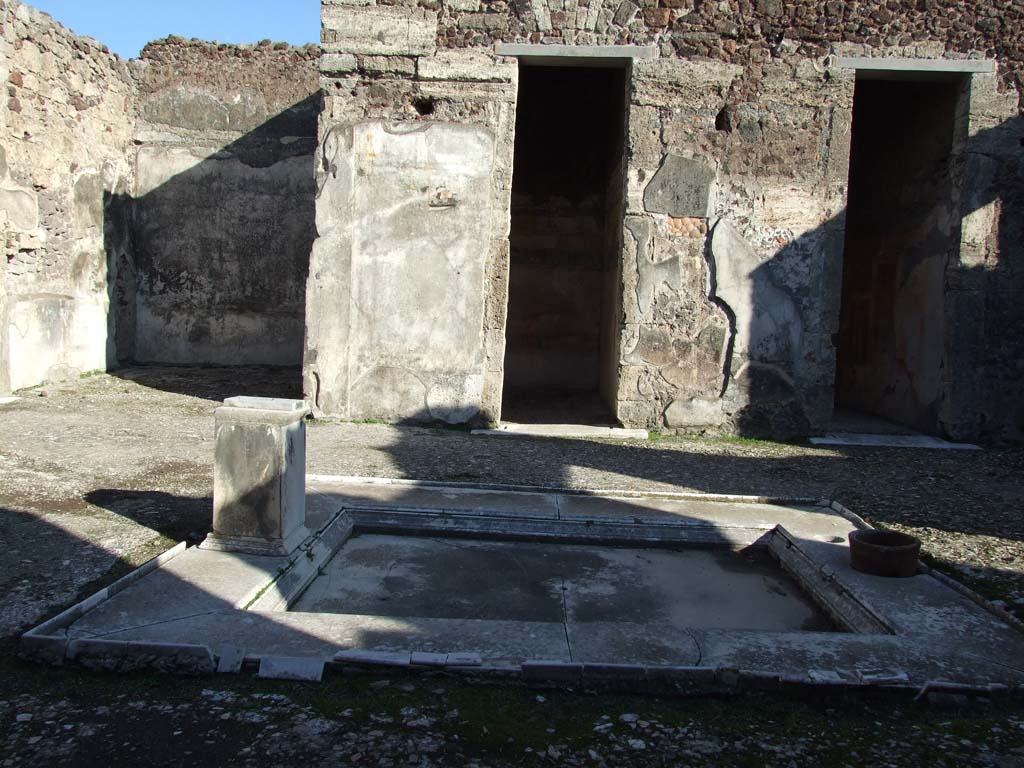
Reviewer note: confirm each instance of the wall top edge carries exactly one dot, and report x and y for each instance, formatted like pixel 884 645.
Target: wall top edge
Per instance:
pixel 885 64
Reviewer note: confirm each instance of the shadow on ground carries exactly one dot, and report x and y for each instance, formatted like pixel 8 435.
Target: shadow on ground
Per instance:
pixel 218 382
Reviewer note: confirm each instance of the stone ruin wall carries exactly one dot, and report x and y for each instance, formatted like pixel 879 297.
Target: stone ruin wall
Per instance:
pixel 746 32
pixel 158 210
pixel 222 215
pixel 793 130
pixel 66 131
pixel 756 122
pixel 739 142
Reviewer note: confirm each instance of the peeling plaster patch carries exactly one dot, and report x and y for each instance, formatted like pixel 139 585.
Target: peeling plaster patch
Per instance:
pixel 156 166
pixel 333 194
pixel 630 341
pixel 650 274
pixel 425 332
pixel 53 338
pixel 187 109
pixel 768 325
pixel 789 208
pixel 22 208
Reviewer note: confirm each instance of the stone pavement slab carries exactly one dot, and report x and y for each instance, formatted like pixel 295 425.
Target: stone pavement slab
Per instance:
pixel 893 441
pixel 465 500
pixel 196 582
pixel 321 635
pixel 581 431
pixel 627 643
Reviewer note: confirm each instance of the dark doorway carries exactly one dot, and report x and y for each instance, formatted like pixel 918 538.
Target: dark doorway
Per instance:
pixel 562 335
pixel 901 230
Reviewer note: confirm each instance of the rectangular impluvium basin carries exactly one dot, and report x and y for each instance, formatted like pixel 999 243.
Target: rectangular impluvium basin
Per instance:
pixel 548 584
pixel 449 578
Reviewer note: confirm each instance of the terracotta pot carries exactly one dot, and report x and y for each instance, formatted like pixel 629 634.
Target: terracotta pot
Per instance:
pixel 884 553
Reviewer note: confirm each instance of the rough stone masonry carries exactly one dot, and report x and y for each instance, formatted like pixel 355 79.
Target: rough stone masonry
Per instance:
pixel 728 247
pixel 195 212
pixel 158 210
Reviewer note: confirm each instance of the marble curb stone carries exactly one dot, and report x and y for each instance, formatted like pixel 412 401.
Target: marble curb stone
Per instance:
pixel 291 668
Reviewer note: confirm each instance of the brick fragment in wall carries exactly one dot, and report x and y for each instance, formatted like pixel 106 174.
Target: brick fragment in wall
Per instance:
pixel 689 227
pixel 657 17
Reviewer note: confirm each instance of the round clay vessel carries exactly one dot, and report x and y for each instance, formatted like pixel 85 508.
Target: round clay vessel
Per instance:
pixel 884 553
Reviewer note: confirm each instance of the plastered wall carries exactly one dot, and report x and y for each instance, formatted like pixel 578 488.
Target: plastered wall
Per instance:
pixel 222 215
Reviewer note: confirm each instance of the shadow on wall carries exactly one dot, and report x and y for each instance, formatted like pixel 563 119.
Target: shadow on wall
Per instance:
pixel 947 343
pixel 207 263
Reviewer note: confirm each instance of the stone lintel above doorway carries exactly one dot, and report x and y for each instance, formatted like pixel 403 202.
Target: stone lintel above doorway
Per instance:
pixel 935 66
pixel 576 55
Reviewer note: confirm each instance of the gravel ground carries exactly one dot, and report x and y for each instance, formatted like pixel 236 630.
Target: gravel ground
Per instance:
pixel 98 476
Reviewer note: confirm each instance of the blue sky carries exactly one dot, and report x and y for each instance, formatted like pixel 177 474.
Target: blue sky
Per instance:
pixel 127 25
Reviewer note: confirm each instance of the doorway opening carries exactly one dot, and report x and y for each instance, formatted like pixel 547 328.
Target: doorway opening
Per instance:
pixel 901 231
pixel 562 333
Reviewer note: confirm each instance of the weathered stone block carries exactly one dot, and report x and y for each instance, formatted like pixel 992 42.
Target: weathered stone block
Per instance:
pixel 472 66
pixel 338 63
pixel 259 482
pixel 291 668
pixel 389 65
pixel 681 188
pixel 380 30
pixel 673 83
pixel 645 136
pixel 625 12
pixel 695 413
pixel 491 22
